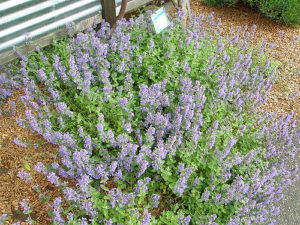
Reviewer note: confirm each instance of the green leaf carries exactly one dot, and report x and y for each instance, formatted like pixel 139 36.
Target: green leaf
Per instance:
pixel 38 190
pixel 46 198
pixel 26 166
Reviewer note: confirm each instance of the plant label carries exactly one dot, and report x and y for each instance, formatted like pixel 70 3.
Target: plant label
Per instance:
pixel 160 20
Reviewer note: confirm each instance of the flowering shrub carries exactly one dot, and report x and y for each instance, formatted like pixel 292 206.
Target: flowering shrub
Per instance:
pixel 286 11
pixel 159 131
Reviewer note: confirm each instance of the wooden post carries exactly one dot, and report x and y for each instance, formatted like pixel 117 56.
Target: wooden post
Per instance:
pixel 109 11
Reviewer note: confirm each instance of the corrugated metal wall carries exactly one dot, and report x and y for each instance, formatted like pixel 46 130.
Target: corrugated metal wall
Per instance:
pixel 39 17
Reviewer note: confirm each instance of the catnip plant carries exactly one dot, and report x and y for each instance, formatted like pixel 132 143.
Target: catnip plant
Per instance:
pixel 159 131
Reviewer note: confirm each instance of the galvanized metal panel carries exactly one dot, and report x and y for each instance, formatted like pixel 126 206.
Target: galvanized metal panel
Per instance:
pixel 37 18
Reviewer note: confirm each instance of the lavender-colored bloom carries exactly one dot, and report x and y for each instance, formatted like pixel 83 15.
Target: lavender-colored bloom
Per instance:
pixel 217 197
pixel 121 67
pixel 228 147
pixel 187 220
pixel 24 176
pixel 88 142
pixel 142 184
pixel 213 218
pixel 205 195
pixel 213 139
pixel 70 194
pixel 144 165
pixel 216 125
pixel 69 140
pixel 181 184
pixel 151 45
pixel 119 175
pixel 57 210
pixel 80 130
pixel 100 129
pixel 25 206
pixel 123 103
pixel 39 167
pixel 61 107
pixel 113 166
pixel 17 223
pixel 53 179
pixel 83 221
pixel 196 182
pixel 155 198
pixel 147 217
pixel 127 127
pixel 87 205
pixel 19 143
pixel 110 135
pixel 181 218
pixel 180 167
pixel 55 165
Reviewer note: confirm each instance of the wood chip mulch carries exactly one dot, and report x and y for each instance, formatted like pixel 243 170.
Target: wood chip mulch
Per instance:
pixel 13 157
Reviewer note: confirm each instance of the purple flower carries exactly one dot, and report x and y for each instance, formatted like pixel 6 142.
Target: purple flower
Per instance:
pixel 155 198
pixel 147 217
pixel 87 205
pixel 70 194
pixel 100 129
pixel 17 142
pixel 39 167
pixel 55 165
pixel 142 185
pixel 119 175
pixel 151 45
pixel 127 127
pixel 88 142
pixel 53 179
pixel 25 206
pixel 228 147
pixel 80 130
pixel 213 218
pixel 144 165
pixel 196 182
pixel 123 103
pixel 61 107
pixel 205 195
pixel 187 220
pixel 216 125
pixel 24 176
pixel 113 166
pixel 181 184
pixel 57 210
pixel 213 139
pixel 110 135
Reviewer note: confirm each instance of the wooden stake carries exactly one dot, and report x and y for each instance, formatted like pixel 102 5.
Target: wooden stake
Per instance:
pixel 109 11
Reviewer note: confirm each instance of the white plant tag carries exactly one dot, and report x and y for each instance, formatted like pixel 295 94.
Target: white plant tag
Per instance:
pixel 160 20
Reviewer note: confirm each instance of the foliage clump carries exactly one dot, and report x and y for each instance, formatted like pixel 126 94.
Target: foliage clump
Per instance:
pixel 285 11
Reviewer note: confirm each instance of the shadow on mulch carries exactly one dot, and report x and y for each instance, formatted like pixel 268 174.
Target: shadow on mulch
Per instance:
pixel 19 216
